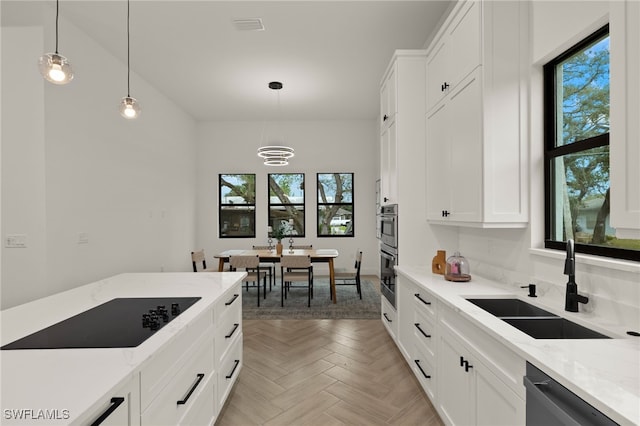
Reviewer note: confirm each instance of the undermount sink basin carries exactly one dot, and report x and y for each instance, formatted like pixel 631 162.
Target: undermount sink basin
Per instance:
pixel 510 308
pixel 553 328
pixel 534 321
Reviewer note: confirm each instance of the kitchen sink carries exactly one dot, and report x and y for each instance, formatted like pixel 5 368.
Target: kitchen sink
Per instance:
pixel 553 328
pixel 534 321
pixel 510 308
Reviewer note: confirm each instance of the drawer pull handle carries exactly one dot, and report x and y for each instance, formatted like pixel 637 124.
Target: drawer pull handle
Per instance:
pixel 235 365
pixel 417 295
pixel 193 388
pixel 115 403
pixel 235 296
pixel 421 330
pixel 426 376
pixel 235 327
pixel 386 317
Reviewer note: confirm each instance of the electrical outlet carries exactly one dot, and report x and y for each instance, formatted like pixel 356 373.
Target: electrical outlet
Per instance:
pixel 16 241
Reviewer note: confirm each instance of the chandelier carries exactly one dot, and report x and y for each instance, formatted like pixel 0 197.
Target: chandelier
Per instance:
pixel 275 155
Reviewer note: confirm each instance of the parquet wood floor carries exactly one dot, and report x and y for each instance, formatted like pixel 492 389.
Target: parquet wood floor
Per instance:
pixel 324 372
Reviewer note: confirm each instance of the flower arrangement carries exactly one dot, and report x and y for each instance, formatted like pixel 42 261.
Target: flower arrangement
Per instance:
pixel 279 232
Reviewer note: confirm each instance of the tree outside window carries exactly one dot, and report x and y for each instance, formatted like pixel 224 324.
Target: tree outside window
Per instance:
pixel 577 185
pixel 237 205
pixel 335 205
pixel 286 202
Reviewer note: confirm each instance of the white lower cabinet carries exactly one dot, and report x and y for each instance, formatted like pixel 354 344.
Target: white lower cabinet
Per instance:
pixel 120 409
pixel 389 318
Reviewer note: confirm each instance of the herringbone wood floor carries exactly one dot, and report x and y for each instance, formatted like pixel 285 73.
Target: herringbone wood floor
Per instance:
pixel 324 372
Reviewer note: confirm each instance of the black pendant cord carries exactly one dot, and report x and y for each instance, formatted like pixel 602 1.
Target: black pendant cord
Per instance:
pixel 128 55
pixel 57 13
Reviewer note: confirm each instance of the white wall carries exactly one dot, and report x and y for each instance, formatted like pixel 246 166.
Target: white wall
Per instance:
pixel 72 165
pixel 322 146
pixel 516 257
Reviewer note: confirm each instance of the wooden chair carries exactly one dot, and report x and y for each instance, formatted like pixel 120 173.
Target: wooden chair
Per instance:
pixel 303 247
pixel 295 268
pixel 254 274
pixel 269 266
pixel 351 277
pixel 197 257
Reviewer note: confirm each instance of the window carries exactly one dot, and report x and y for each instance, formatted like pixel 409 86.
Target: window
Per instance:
pixel 286 202
pixel 576 126
pixel 237 211
pixel 335 204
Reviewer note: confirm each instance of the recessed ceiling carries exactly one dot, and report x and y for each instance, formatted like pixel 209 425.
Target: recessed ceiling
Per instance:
pixel 330 55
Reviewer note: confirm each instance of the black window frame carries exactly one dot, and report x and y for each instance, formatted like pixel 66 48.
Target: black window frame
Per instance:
pixel 303 204
pixel 551 152
pixel 323 204
pixel 222 205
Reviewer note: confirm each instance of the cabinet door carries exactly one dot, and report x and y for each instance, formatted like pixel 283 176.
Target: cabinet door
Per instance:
pixel 496 404
pixel 388 165
pixel 388 99
pixel 437 160
pixel 406 313
pixel 436 74
pixel 625 126
pixel 455 385
pixel 464 43
pixel 464 178
pixel 122 408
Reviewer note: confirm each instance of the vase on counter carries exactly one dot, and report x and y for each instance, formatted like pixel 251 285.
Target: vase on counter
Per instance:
pixel 279 247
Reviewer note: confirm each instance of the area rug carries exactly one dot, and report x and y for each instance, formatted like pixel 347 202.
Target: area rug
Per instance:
pixel 349 305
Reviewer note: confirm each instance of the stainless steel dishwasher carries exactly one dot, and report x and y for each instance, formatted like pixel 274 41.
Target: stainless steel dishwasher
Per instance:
pixel 549 403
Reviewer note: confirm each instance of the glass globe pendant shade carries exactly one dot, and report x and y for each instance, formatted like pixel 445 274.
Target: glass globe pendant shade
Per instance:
pixel 129 108
pixel 55 68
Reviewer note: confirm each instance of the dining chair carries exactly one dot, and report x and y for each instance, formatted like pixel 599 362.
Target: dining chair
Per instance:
pixel 302 247
pixel 252 265
pixel 351 277
pixel 197 257
pixel 295 268
pixel 269 266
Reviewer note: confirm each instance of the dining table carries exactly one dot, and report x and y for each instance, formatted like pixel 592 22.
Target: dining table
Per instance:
pixel 316 255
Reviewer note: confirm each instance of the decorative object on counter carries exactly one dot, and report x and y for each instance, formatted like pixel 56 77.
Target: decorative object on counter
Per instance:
pixel 457 268
pixel 279 233
pixel 54 67
pixel 272 152
pixel 439 262
pixel 129 107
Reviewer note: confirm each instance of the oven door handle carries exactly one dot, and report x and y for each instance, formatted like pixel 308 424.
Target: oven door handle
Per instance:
pixel 388 256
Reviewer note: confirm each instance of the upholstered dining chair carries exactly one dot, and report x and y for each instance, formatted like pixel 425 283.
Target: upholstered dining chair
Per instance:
pixel 252 265
pixel 295 268
pixel 199 257
pixel 351 277
pixel 270 267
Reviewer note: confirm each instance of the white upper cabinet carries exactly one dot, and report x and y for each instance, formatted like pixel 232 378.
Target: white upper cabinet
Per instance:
pixel 402 111
pixel 455 54
pixel 476 121
pixel 625 118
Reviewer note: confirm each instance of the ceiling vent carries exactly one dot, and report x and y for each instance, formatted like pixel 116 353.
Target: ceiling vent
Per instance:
pixel 250 24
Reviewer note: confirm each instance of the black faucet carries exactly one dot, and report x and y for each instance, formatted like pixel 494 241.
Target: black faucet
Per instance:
pixel 572 297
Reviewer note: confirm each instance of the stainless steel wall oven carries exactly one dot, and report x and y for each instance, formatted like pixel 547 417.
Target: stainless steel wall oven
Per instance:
pixel 388 251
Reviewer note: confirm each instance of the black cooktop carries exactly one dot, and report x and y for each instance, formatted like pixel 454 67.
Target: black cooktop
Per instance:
pixel 118 323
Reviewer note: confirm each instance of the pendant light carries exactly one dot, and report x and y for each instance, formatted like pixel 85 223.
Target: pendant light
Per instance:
pixel 129 107
pixel 275 155
pixel 54 67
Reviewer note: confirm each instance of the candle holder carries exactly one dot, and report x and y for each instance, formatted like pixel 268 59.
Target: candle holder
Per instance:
pixel 291 245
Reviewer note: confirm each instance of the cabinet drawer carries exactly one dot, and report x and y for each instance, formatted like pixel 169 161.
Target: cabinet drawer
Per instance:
pixel 227 328
pixel 231 302
pixel 203 410
pixel 389 317
pixel 229 369
pixel 423 368
pixel 164 365
pixel 184 390
pixel 504 363
pixel 424 332
pixel 119 408
pixel 425 303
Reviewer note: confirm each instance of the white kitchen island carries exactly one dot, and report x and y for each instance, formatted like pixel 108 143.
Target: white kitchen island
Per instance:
pixel 76 386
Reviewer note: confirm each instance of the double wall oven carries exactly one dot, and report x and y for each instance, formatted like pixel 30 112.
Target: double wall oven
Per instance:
pixel 388 251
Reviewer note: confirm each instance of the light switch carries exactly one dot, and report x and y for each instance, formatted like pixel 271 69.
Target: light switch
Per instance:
pixel 83 238
pixel 16 241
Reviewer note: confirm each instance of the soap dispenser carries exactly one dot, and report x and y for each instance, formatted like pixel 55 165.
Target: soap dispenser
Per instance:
pixel 457 269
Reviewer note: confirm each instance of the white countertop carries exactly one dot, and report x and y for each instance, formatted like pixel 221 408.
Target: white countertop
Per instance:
pixel 74 379
pixel 603 372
